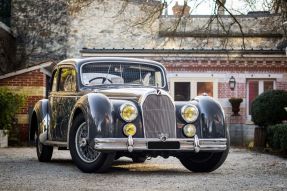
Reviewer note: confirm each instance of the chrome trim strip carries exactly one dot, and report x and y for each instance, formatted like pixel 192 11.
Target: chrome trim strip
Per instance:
pixel 140 144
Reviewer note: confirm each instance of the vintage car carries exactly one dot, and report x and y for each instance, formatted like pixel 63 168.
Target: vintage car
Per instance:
pixel 104 108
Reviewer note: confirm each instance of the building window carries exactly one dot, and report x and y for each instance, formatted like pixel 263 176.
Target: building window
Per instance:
pixel 182 91
pixel 256 87
pixel 186 88
pixel 205 88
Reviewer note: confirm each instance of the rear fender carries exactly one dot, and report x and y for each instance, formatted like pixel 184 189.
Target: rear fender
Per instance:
pixel 41 117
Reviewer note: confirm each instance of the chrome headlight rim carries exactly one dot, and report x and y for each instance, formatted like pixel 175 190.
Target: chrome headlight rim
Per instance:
pixel 182 113
pixel 185 130
pixel 135 114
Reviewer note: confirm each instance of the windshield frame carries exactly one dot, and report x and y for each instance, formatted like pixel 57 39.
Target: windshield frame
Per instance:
pixel 163 73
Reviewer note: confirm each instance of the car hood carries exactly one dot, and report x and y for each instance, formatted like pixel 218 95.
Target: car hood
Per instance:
pixel 127 93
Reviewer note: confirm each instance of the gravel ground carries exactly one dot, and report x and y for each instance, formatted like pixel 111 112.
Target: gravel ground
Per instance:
pixel 243 170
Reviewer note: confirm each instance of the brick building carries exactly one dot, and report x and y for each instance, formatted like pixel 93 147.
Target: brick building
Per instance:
pixel 32 82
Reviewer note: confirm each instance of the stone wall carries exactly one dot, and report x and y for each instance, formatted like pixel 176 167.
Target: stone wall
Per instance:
pixel 109 29
pixel 59 29
pixel 114 24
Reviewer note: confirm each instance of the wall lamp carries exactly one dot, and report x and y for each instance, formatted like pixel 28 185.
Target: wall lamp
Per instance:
pixel 232 83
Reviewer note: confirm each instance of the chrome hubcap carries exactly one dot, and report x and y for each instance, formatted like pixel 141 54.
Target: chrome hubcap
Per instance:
pixel 83 142
pixel 83 147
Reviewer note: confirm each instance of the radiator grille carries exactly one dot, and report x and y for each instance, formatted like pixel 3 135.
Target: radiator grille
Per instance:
pixel 159 116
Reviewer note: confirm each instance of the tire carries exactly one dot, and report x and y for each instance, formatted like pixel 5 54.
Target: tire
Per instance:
pixel 140 159
pixel 44 152
pixel 86 158
pixel 204 161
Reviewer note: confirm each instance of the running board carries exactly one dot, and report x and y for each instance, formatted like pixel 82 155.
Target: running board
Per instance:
pixel 56 143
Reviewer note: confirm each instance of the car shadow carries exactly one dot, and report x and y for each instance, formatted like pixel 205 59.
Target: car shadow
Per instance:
pixel 124 166
pixel 121 167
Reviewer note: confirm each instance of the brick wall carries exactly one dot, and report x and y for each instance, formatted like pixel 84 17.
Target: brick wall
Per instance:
pixel 33 85
pixel 281 85
pixel 225 92
pixel 239 65
pixel 221 70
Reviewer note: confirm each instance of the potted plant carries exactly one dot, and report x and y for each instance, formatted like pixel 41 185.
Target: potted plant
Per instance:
pixel 235 103
pixel 10 103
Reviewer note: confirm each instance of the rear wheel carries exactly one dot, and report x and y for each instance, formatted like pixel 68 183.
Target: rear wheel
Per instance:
pixel 83 154
pixel 44 152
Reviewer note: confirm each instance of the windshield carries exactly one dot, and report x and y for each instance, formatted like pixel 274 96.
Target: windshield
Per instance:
pixel 93 74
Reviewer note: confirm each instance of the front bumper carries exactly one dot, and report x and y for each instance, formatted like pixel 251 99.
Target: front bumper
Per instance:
pixel 142 144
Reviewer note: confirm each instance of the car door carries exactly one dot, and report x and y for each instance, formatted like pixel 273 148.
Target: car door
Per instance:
pixel 64 101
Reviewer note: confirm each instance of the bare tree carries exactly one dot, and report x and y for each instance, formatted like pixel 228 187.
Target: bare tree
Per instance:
pixel 40 29
pixel 218 24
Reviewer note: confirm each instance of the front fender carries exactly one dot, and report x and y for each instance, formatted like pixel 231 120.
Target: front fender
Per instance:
pixel 211 120
pixel 97 110
pixel 42 118
pixel 211 117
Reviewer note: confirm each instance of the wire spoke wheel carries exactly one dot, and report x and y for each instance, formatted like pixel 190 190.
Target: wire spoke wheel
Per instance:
pixel 85 151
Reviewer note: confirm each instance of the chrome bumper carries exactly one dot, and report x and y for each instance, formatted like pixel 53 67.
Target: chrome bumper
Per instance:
pixel 141 144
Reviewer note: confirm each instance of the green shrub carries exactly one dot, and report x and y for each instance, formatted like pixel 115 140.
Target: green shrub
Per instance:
pixel 10 103
pixel 268 108
pixel 277 136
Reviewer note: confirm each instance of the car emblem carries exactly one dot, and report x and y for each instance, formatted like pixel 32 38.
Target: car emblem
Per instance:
pixel 163 137
pixel 158 92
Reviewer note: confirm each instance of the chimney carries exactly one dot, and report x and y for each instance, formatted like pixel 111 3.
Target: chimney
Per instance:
pixel 181 10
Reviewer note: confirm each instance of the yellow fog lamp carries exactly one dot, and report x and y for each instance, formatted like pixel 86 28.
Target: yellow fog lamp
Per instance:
pixel 189 130
pixel 128 112
pixel 189 113
pixel 129 129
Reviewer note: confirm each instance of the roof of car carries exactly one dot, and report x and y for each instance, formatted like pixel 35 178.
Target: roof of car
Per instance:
pixel 78 61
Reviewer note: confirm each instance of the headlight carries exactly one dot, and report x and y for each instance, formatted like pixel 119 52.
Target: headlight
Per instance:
pixel 129 129
pixel 189 130
pixel 128 112
pixel 189 113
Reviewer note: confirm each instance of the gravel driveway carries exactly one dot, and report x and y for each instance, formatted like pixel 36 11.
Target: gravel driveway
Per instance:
pixel 243 170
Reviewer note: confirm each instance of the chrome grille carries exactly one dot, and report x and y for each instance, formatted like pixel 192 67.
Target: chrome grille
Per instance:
pixel 158 116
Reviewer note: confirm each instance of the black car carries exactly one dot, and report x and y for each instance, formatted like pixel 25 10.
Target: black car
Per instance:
pixel 104 108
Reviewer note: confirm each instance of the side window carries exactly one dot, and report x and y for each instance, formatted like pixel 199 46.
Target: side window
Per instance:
pixel 54 81
pixel 67 81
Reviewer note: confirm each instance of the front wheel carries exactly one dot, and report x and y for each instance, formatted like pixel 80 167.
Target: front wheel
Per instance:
pixel 139 159
pixel 86 158
pixel 204 161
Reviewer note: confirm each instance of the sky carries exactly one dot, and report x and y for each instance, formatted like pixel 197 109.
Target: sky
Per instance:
pixel 206 7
